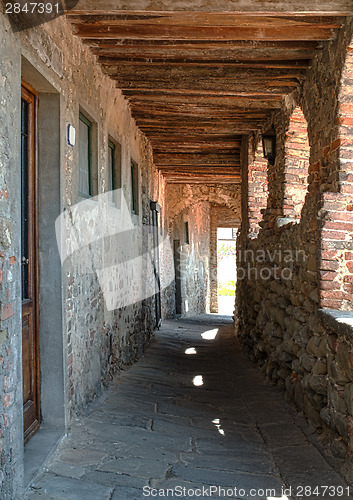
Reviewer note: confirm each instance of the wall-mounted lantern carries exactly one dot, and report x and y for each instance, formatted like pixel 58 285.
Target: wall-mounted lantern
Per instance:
pixel 269 147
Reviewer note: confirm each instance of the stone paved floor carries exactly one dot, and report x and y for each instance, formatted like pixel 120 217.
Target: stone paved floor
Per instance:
pixel 158 427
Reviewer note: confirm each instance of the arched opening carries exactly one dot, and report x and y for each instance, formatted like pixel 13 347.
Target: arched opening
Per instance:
pixel 336 256
pixel 297 154
pixel 257 189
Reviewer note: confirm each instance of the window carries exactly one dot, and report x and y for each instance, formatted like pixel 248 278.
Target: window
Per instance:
pixel 111 168
pixel 114 171
pixel 134 188
pixel 186 233
pixel 84 172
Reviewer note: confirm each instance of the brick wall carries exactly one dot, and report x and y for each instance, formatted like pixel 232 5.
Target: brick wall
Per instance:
pixel 336 229
pixel 257 185
pixel 297 153
pixel 292 269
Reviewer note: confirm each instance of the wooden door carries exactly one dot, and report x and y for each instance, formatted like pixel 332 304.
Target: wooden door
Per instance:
pixel 155 211
pixel 177 271
pixel 29 264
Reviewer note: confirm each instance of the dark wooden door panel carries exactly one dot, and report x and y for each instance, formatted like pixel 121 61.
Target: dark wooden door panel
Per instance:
pixel 30 352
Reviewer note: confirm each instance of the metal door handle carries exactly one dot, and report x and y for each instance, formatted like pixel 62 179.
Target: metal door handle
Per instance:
pixel 25 261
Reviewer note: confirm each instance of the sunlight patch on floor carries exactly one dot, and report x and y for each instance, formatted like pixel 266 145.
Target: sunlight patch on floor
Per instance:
pixel 210 334
pixel 198 380
pixel 217 423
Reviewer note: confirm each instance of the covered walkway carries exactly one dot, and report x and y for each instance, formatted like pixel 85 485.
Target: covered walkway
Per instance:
pixel 192 413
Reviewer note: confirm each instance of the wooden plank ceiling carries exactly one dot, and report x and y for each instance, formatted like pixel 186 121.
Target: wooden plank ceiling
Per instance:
pixel 197 81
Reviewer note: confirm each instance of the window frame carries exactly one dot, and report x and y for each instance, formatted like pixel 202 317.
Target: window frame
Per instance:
pixel 89 124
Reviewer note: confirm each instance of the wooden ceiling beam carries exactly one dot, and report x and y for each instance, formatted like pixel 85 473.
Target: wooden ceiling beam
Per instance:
pixel 185 93
pixel 204 45
pixel 156 131
pixel 213 174
pixel 182 123
pixel 190 114
pixel 205 19
pixel 184 63
pixel 254 7
pixel 220 72
pixel 215 169
pixel 286 32
pixel 272 88
pixel 198 80
pixel 157 99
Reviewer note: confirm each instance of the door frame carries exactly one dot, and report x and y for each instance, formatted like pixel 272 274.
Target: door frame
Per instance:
pixel 30 95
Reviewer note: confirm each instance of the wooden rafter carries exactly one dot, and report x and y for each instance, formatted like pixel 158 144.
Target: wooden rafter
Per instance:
pixel 198 80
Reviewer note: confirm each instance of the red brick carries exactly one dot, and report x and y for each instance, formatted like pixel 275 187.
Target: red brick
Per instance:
pixel 332 205
pixel 333 235
pixel 329 254
pixel 7 311
pixel 347 189
pixel 338 225
pixel 327 275
pixel 333 294
pixel 331 304
pixel 350 266
pixel 330 285
pixel 346 216
pixel 346 121
pixel 329 265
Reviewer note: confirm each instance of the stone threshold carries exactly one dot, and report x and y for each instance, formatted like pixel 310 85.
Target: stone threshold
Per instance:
pixel 39 449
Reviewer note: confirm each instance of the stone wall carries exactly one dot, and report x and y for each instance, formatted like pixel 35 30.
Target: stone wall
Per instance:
pixel 11 439
pixel 289 271
pixel 91 341
pixel 194 258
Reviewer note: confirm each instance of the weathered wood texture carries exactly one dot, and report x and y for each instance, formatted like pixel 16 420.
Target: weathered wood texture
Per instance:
pixel 199 75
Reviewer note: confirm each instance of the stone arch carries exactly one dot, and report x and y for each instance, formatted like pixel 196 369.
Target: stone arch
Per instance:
pixel 181 197
pixel 296 168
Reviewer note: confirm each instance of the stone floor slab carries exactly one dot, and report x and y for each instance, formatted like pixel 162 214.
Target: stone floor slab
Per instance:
pixel 157 426
pixel 51 487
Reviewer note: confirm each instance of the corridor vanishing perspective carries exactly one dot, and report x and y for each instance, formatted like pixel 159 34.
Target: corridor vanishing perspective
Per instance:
pixel 193 418
pixel 161 162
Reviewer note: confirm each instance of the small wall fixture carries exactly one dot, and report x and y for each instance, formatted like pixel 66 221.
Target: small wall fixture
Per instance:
pixel 71 135
pixel 269 147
